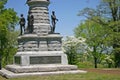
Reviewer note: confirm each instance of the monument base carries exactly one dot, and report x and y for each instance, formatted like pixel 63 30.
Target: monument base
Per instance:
pixel 13 71
pixel 40 57
pixel 39 63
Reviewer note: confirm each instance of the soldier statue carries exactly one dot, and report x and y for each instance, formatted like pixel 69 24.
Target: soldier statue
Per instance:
pixel 22 24
pixel 54 19
pixel 30 19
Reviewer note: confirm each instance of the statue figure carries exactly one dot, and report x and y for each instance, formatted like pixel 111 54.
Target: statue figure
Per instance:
pixel 30 19
pixel 28 0
pixel 22 24
pixel 54 19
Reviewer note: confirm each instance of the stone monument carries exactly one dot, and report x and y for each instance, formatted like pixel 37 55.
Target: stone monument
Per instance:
pixel 39 52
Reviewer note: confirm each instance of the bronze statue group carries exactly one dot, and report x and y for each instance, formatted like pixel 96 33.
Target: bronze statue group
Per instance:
pixel 30 19
pixel 30 27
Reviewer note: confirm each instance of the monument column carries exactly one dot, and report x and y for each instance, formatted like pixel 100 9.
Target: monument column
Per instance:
pixel 39 9
pixel 39 52
pixel 40 47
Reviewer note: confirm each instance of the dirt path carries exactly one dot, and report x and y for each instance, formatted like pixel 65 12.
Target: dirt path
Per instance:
pixel 105 71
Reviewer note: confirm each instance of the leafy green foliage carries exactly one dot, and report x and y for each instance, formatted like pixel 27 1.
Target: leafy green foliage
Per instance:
pixel 96 38
pixel 8 20
pixel 85 64
pixel 72 46
pixel 117 56
pixel 114 24
pixel 107 15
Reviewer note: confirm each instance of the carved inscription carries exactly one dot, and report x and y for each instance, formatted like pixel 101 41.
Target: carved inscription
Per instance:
pixel 45 60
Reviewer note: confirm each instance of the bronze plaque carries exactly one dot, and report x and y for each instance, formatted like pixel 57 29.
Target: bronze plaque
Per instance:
pixel 45 60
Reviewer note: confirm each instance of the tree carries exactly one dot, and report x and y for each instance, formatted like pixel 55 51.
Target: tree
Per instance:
pixel 95 37
pixel 11 47
pixel 8 20
pixel 72 46
pixel 110 11
pixel 114 6
pixel 108 60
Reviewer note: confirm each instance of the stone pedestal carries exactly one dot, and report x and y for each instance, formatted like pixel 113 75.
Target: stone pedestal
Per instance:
pixel 39 53
pixel 40 58
pixel 34 49
pixel 34 42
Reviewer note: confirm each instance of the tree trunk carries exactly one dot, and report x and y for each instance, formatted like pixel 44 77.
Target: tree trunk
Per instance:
pixel 95 62
pixel 0 61
pixel 95 58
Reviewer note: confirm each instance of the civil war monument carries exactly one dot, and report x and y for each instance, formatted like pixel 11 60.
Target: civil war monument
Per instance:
pixel 39 48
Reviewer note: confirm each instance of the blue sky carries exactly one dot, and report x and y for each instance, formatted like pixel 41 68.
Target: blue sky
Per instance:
pixel 66 11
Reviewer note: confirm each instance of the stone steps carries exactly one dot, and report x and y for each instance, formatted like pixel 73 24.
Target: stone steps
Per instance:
pixel 9 74
pixel 40 68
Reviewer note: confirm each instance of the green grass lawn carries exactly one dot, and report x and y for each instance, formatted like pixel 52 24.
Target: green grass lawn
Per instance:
pixel 91 75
